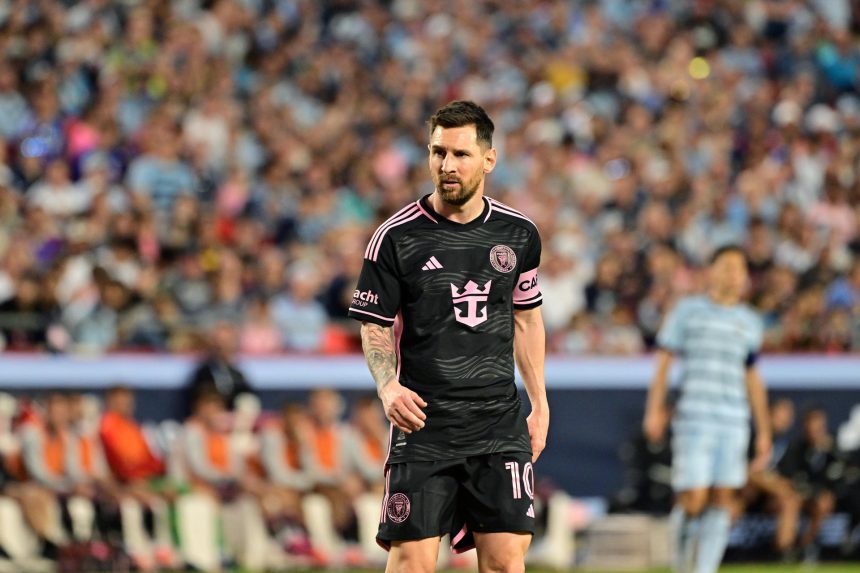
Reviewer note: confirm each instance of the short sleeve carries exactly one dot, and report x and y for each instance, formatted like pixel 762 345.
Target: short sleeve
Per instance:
pixel 756 333
pixel 377 295
pixel 671 333
pixel 527 292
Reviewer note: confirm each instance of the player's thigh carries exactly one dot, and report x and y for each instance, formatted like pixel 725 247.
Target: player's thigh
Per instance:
pixel 413 556
pixel 730 459
pixel 502 552
pixel 420 500
pixel 497 494
pixel 694 448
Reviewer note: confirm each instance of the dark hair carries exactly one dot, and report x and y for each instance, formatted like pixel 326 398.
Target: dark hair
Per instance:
pixel 728 249
pixel 118 389
pixel 460 113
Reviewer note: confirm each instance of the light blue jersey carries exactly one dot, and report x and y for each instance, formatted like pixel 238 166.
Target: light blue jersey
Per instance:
pixel 716 344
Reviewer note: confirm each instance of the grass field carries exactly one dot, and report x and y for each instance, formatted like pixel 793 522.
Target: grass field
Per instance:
pixel 765 568
pixel 752 568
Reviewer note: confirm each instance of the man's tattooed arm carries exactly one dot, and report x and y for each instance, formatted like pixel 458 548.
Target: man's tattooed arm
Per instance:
pixel 378 344
pixel 401 405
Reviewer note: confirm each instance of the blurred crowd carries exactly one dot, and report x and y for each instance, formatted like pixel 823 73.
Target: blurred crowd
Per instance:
pixel 168 165
pixel 65 449
pixel 812 475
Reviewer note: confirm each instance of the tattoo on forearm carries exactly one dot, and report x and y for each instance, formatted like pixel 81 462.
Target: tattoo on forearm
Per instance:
pixel 378 345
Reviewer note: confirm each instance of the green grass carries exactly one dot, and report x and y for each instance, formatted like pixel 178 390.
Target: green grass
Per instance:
pixel 765 568
pixel 753 568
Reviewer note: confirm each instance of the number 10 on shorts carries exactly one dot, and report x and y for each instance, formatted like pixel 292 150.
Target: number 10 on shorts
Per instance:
pixel 528 479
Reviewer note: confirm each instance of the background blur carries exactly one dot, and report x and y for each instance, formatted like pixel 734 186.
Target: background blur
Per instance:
pixel 187 183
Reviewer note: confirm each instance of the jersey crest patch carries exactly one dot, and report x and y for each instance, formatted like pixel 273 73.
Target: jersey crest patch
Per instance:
pixel 503 258
pixel 398 508
pixel 471 295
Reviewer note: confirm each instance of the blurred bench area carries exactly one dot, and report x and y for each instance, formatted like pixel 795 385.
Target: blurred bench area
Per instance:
pixel 278 462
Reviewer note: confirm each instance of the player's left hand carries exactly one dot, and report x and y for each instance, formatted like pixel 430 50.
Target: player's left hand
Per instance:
pixel 538 424
pixel 763 450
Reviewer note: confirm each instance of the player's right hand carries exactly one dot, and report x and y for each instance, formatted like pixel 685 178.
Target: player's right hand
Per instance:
pixel 652 426
pixel 403 407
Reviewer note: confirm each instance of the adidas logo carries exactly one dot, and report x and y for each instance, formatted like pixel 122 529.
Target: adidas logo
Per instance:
pixel 531 511
pixel 431 265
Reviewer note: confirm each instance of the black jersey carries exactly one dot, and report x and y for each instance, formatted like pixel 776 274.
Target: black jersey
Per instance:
pixel 449 290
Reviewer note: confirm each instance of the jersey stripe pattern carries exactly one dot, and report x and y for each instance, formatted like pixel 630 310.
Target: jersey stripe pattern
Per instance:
pixel 450 290
pixel 716 343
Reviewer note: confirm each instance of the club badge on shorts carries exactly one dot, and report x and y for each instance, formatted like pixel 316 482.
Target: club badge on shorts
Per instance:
pixel 398 508
pixel 503 258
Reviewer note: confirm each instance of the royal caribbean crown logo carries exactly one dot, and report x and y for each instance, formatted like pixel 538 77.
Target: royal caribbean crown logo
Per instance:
pixel 468 300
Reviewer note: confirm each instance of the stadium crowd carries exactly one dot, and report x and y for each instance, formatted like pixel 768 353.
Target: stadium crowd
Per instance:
pixel 63 450
pixel 170 166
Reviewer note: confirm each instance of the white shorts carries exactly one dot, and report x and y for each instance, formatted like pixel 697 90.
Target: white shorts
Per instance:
pixel 705 456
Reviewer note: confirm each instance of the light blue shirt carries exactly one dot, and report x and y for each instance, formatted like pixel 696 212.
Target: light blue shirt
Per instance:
pixel 716 344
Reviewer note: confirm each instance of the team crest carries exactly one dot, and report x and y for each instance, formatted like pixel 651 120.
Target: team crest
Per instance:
pixel 398 508
pixel 502 258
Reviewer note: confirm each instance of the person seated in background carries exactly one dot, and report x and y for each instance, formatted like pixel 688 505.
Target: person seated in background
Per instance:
pixel 371 435
pixel 83 427
pixel 127 451
pixel 36 474
pixel 284 461
pixel 47 454
pixel 331 446
pixel 218 372
pixel 137 471
pixel 648 478
pixel 767 490
pixel 848 501
pixel 813 466
pixel 213 465
pixel 90 468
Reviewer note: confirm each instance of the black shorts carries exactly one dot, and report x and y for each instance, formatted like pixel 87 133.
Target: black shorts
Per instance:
pixel 488 493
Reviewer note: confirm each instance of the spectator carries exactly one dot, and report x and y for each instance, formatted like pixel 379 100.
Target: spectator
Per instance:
pixel 214 465
pixel 332 451
pixel 259 334
pixel 218 373
pixel 127 450
pixel 197 135
pixel 299 316
pixel 647 482
pixel 812 465
pixel 371 435
pixel 768 490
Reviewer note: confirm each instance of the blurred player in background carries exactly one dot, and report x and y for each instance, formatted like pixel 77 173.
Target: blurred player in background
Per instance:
pixel 813 465
pixel 770 490
pixel 719 338
pixel 448 297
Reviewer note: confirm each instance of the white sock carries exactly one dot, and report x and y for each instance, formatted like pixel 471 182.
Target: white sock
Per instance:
pixel 685 533
pixel 713 538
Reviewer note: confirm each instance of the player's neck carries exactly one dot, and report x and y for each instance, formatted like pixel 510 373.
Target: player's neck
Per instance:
pixel 724 299
pixel 462 214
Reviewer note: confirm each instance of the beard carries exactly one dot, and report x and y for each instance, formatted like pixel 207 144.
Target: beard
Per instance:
pixel 460 195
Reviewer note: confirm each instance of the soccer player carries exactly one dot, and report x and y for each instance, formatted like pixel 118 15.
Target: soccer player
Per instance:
pixel 718 338
pixel 449 297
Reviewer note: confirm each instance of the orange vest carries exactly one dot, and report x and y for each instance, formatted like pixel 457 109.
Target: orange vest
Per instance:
pixel 292 454
pixel 327 448
pixel 218 450
pixel 373 448
pixel 53 454
pixel 86 451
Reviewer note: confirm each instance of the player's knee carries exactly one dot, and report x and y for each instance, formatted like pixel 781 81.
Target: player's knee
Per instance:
pixel 510 561
pixel 410 562
pixel 693 502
